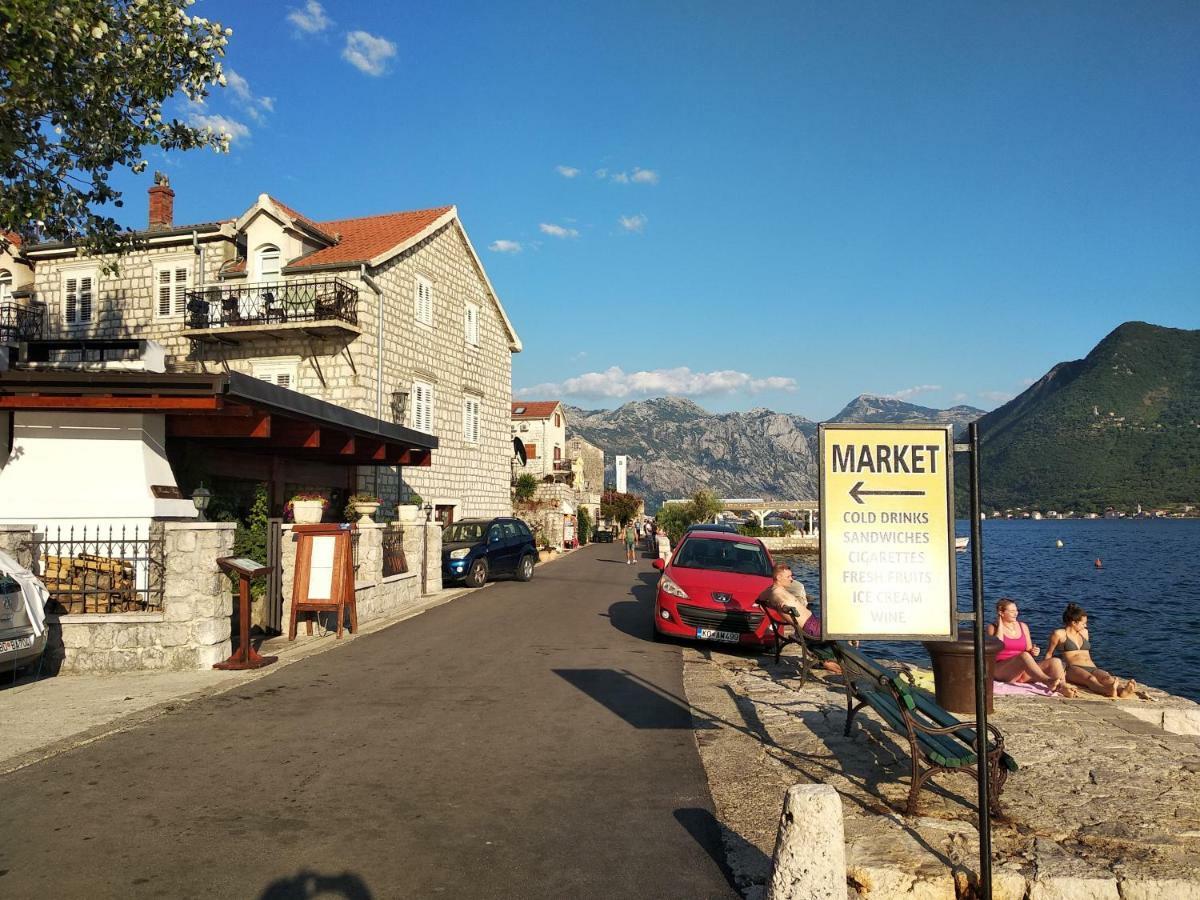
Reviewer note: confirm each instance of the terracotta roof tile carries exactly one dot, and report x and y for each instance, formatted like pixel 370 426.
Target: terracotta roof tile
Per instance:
pixel 534 409
pixel 12 237
pixel 364 239
pixel 305 219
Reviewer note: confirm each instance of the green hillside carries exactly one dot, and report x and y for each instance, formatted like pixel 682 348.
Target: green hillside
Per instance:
pixel 1117 428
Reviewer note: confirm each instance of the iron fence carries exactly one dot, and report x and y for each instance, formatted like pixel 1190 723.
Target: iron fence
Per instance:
pixel 93 571
pixel 394 560
pixel 271 303
pixel 21 322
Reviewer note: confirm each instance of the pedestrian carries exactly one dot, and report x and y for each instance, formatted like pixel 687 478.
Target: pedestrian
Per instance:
pixel 630 542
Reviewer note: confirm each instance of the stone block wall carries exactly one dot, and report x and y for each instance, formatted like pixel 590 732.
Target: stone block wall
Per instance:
pixel 17 542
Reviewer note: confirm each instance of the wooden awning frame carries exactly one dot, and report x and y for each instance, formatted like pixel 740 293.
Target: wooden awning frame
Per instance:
pixel 230 410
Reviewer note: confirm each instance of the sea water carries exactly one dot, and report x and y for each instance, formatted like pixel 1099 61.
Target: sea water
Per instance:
pixel 1143 601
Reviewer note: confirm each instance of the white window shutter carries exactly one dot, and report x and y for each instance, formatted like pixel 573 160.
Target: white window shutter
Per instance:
pixel 164 292
pixel 71 298
pixel 85 299
pixel 181 286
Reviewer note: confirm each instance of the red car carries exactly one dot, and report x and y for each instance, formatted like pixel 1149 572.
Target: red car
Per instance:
pixel 708 588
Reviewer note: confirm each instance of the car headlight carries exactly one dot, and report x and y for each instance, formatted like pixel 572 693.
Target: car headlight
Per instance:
pixel 667 586
pixel 460 554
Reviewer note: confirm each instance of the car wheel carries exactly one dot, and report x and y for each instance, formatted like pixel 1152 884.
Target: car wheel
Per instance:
pixel 525 569
pixel 477 574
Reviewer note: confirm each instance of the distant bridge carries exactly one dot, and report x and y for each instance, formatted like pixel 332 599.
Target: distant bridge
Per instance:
pixel 760 508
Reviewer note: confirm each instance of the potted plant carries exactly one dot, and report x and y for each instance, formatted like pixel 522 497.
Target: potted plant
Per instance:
pixel 409 511
pixel 363 506
pixel 307 508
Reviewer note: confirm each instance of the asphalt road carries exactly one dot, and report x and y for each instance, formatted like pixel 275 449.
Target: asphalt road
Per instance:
pixel 522 741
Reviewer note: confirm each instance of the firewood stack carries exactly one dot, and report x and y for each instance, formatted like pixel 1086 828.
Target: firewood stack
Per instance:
pixel 91 584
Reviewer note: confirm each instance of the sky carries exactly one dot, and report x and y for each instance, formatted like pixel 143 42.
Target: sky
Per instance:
pixel 777 205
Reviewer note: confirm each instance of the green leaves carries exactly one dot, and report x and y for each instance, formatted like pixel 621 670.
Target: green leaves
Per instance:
pixel 83 84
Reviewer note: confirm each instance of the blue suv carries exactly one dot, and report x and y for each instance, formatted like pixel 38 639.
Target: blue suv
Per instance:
pixel 473 550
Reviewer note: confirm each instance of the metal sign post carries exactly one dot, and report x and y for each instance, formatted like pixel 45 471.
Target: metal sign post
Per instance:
pixel 981 731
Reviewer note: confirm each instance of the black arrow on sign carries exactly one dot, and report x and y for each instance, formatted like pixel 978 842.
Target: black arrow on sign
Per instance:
pixel 858 493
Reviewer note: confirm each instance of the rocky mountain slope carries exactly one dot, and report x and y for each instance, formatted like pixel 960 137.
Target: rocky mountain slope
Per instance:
pixel 871 408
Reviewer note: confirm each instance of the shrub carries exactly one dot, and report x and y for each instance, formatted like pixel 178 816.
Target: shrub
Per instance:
pixel 525 487
pixel 584 521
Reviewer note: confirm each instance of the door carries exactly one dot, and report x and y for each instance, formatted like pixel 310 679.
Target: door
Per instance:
pixel 499 554
pixel 444 514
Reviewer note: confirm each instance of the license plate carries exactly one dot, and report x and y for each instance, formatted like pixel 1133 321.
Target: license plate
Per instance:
pixel 711 634
pixel 16 644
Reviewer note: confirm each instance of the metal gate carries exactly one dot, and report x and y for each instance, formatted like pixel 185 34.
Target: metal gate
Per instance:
pixel 274 607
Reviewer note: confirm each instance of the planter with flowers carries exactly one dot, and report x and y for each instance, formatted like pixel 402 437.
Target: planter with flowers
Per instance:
pixel 307 509
pixel 409 511
pixel 363 506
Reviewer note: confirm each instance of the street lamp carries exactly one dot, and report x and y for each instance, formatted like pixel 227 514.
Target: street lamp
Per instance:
pixel 200 496
pixel 428 507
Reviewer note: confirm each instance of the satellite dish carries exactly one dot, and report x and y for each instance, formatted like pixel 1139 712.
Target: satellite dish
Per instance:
pixel 519 451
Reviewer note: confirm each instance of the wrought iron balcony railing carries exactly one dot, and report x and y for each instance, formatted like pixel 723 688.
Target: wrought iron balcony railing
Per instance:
pixel 272 303
pixel 21 321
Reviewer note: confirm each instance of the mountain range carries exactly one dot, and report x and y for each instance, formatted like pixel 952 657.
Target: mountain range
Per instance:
pixel 1119 427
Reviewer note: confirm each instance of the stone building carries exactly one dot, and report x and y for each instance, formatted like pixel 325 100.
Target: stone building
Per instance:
pixel 541 426
pixel 390 316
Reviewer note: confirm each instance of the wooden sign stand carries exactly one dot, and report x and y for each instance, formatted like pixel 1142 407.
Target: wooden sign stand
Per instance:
pixel 324 579
pixel 245 656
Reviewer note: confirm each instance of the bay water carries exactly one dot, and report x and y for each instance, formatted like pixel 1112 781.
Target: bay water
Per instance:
pixel 1143 602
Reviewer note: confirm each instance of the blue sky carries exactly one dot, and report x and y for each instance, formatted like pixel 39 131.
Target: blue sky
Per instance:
pixel 779 205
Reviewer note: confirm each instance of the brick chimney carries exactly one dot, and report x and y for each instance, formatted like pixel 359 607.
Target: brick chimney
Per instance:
pixel 162 203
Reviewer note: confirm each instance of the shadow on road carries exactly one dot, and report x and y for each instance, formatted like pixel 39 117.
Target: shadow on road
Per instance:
pixel 635 616
pixel 305 885
pixel 715 838
pixel 634 701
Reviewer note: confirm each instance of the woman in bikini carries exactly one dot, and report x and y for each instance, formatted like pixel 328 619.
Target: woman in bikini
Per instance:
pixel 1015 663
pixel 1076 647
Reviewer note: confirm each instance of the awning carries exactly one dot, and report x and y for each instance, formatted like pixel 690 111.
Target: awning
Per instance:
pixel 229 410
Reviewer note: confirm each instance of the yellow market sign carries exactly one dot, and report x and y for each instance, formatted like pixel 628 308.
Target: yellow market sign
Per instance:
pixel 887 535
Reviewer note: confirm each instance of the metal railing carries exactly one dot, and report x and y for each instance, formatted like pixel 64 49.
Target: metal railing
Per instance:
pixel 394 560
pixel 271 303
pixel 93 571
pixel 21 322
pixel 562 465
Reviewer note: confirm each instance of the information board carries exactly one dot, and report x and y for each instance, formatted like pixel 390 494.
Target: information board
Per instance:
pixel 887 535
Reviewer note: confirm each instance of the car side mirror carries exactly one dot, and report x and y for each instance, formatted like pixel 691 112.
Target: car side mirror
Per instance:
pixel 659 564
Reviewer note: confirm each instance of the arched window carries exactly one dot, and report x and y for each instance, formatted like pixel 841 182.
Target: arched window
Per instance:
pixel 5 285
pixel 267 262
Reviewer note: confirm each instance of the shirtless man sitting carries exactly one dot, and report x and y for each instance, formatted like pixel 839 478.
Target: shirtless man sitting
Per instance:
pixel 780 598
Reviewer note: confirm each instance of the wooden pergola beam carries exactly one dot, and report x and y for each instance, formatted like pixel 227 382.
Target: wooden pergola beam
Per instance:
pixel 95 403
pixel 257 426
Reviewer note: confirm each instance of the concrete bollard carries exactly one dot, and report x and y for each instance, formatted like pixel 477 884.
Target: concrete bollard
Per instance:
pixel 810 851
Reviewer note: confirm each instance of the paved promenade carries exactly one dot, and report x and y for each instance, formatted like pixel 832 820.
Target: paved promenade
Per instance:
pixel 515 742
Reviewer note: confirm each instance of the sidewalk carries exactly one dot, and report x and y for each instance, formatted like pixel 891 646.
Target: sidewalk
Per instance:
pixel 42 718
pixel 1106 804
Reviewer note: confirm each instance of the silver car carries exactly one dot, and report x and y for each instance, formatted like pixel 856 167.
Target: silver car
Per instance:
pixel 21 639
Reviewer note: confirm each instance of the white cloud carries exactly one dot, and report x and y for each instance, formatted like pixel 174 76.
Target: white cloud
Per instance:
pixel 1028 382
pixel 996 396
pixel 566 171
pixel 244 97
pixel 644 176
pixel 620 178
pixel 367 52
pixel 615 383
pixel 960 397
pixel 915 390
pixel 557 231
pixel 602 173
pixel 503 246
pixel 635 223
pixel 310 18
pixel 221 125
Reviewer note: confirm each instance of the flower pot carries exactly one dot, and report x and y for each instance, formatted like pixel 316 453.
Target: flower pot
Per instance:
pixel 365 511
pixel 307 512
pixel 544 555
pixel 408 514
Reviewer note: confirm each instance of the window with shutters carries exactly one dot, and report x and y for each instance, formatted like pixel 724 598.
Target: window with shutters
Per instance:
pixel 79 297
pixel 471 420
pixel 422 396
pixel 424 301
pixel 281 372
pixel 471 324
pixel 267 263
pixel 172 281
pixel 531 451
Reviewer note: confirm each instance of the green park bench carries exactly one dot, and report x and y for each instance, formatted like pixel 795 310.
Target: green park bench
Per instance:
pixel 938 741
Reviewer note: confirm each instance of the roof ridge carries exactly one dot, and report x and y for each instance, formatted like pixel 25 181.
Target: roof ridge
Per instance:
pixel 311 223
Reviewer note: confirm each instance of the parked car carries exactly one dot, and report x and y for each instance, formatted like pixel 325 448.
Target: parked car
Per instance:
pixel 708 588
pixel 712 526
pixel 604 534
pixel 22 617
pixel 473 550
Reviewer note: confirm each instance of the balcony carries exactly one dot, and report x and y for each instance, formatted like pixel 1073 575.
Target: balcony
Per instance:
pixel 232 313
pixel 21 322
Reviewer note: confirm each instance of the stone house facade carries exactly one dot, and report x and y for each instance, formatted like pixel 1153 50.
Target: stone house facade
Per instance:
pixel 542 427
pixel 391 316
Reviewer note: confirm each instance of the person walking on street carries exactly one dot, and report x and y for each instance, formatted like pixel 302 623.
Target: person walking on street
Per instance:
pixel 630 541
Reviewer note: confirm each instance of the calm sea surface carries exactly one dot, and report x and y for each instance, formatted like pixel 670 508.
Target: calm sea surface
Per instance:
pixel 1143 605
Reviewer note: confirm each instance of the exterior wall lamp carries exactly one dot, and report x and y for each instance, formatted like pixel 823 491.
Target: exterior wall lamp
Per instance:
pixel 428 507
pixel 200 496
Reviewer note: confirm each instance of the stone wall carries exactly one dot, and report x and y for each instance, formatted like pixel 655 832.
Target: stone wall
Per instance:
pixel 17 542
pixel 544 512
pixel 191 631
pixel 376 596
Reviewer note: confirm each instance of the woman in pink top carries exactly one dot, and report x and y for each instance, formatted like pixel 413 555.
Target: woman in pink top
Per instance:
pixel 1015 663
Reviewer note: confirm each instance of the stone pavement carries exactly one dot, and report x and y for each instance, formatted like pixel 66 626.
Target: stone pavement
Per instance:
pixel 1106 805
pixel 44 717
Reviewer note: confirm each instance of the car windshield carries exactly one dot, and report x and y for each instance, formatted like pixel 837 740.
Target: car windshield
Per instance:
pixel 723 556
pixel 463 532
